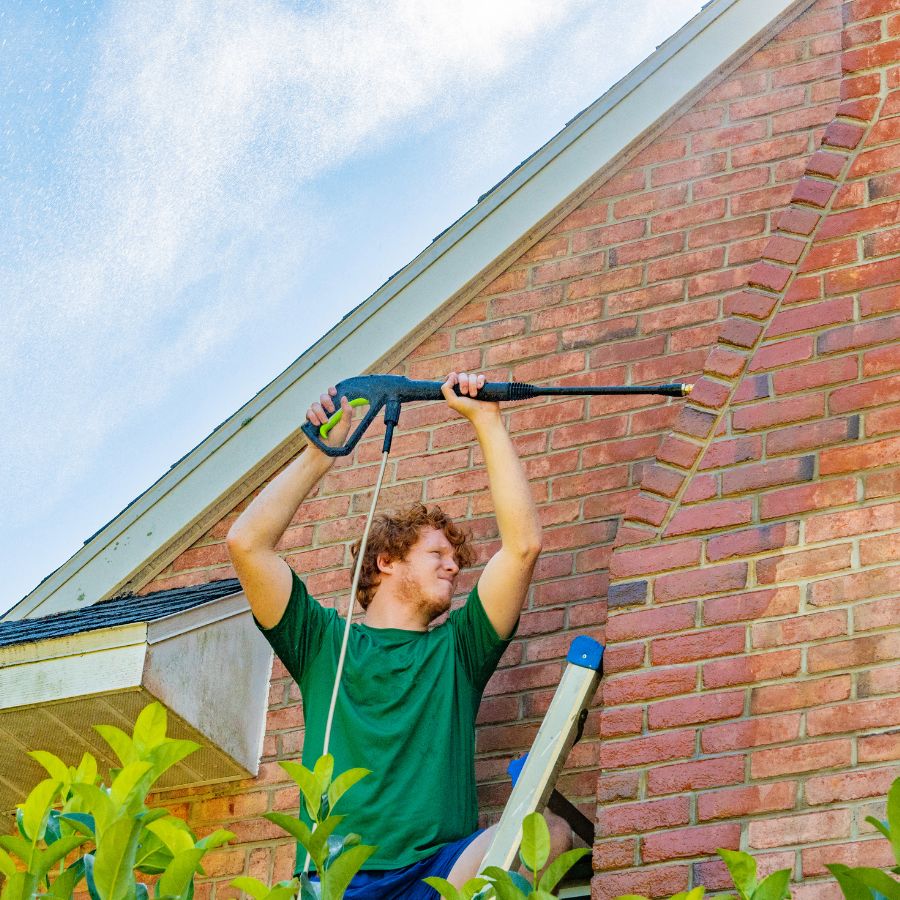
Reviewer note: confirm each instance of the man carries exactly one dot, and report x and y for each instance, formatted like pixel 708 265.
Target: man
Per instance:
pixel 409 695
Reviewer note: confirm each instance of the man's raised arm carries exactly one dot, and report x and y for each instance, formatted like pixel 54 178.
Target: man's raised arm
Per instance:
pixel 264 575
pixel 503 585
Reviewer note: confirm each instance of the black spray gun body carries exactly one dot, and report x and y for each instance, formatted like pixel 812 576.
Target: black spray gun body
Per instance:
pixel 391 391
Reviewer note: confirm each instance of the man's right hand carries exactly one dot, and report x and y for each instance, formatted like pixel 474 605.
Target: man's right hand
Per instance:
pixel 319 413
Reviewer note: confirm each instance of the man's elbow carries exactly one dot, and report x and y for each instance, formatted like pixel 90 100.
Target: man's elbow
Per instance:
pixel 531 550
pixel 237 542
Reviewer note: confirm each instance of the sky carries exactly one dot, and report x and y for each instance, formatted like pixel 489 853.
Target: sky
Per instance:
pixel 193 191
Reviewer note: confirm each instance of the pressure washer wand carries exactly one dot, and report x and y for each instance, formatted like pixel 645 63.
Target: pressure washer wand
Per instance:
pixel 390 391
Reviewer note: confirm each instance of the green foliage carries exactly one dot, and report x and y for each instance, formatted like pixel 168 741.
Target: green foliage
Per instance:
pixel 864 883
pixel 742 868
pixel 74 807
pixel 337 858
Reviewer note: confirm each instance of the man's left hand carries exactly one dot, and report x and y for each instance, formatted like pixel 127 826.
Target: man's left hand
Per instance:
pixel 469 385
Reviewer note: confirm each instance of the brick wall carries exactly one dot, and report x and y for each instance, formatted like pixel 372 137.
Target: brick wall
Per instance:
pixel 701 254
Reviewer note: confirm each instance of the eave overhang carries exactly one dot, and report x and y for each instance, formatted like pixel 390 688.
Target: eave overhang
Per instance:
pixel 209 666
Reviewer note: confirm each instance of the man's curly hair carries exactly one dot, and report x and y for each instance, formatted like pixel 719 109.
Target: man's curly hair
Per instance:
pixel 394 534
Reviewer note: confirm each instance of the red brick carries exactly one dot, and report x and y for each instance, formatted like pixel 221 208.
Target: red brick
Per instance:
pixel 813 191
pixel 803 564
pixel 860 456
pixel 778 412
pixel 830 254
pixel 881 361
pixel 824 163
pixel 799 630
pixel 751 541
pixel 782 353
pixel 768 474
pixel 752 605
pixel 696 775
pixel 807 757
pixel 769 277
pixel 873 854
pixel 853 521
pixel 697 646
pixel 870 393
pixel 731 452
pixel 642 751
pixel 646 881
pixel 800 829
pixel 854 221
pixel 750 303
pixel 812 435
pixel 800 694
pixel 647 622
pixel 747 801
pixel 855 652
pixel 661 480
pixel 618 722
pixel 857 586
pixel 750 733
pixel 648 815
pixel 880 613
pixel 750 669
pixel 879 747
pixel 860 715
pixel 695 710
pixel 802 289
pixel 680 843
pixel 848 786
pixel 740 332
pixel 673 555
pixel 648 685
pixel 818 374
pixel 880 300
pixel 699 582
pixel 710 516
pixel 878 549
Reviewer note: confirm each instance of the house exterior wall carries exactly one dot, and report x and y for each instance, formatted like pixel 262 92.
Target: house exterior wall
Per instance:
pixel 744 539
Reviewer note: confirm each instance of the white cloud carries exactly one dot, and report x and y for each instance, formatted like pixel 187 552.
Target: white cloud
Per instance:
pixel 181 219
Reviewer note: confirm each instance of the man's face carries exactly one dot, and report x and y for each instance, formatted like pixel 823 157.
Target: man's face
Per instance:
pixel 428 574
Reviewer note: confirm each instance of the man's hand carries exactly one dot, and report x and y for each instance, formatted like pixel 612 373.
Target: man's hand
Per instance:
pixel 469 385
pixel 319 413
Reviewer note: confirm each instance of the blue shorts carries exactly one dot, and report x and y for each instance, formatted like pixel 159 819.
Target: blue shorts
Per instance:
pixel 406 883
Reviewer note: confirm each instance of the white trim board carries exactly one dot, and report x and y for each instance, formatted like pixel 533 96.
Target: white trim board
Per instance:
pixel 505 218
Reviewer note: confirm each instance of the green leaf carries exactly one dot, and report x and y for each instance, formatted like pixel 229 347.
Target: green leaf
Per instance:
pixel 150 728
pixel 342 870
pixel 337 843
pixel 742 867
pixel 541 895
pixel 881 826
pixel 343 783
pixel 88 860
pixel 473 887
pixel 55 767
pixel 59 850
pixel 443 887
pixel 321 841
pixel 7 866
pixel 129 779
pixel 87 770
pixel 252 886
pixel 850 887
pixel 140 891
pixel 504 886
pixel 121 744
pixel 301 833
pixel 17 845
pixel 535 842
pixel 83 823
pixel 37 808
pixel 286 890
pixel 774 886
pixel 306 781
pixel 64 885
pixel 216 839
pixel 179 873
pixel 323 771
pixel 893 814
pixel 174 833
pixel 52 831
pixel 558 868
pixel 168 754
pixel 115 857
pixel 21 886
pixel 98 802
pixel 309 890
pixel 878 881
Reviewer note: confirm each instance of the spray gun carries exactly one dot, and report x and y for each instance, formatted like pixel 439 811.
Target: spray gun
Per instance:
pixel 390 391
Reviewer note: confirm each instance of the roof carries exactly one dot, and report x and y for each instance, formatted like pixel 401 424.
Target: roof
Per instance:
pixel 119 611
pixel 248 447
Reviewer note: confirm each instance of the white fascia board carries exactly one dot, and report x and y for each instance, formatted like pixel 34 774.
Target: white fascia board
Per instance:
pixel 470 246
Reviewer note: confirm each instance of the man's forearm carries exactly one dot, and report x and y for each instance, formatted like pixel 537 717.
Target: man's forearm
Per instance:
pixel 517 518
pixel 265 520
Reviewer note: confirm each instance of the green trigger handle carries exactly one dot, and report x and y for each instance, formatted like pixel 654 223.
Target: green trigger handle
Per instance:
pixel 325 429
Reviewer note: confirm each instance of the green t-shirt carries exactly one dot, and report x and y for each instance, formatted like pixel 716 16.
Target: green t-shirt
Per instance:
pixel 406 710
